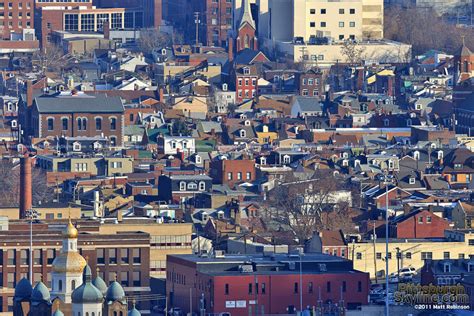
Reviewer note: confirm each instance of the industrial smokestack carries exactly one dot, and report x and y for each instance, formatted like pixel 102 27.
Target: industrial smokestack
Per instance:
pixel 26 195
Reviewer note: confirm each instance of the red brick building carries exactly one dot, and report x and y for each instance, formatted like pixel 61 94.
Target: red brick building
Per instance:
pixel 418 224
pixel 238 284
pixel 75 114
pixel 245 82
pixel 310 83
pixel 232 172
pixel 16 16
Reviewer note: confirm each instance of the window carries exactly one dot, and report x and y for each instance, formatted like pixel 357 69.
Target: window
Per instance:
pixel 113 256
pixel 71 22
pixel 11 280
pixel 64 123
pixel 113 124
pixel 50 124
pixel 446 255
pixel 60 285
pixel 310 287
pixel 37 256
pixel 295 288
pixel 312 11
pixel 50 254
pixel 239 175
pixel 341 24
pixel 264 288
pixel 352 24
pixel 359 286
pixel 428 219
pixel 426 255
pixel 116 21
pixel 323 11
pixel 249 175
pixel 328 287
pixel 341 11
pixel 229 175
pixel 412 180
pixel 379 255
pixel 202 186
pixel 192 186
pixel 136 278
pixel 420 220
pixel 226 289
pixel 461 256
pixel 98 124
pixel 124 255
pixel 24 257
pixel 312 24
pixel 124 278
pixel 136 255
pixel 73 284
pixel 323 24
pixel 389 255
pixel 100 256
pixel 359 256
pixel 182 186
pixel 250 288
pixel 344 286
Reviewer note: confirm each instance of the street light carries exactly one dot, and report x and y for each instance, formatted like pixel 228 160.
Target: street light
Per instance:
pixel 386 180
pixel 31 215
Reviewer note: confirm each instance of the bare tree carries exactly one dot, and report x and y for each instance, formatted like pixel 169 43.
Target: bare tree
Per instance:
pixel 352 52
pixel 308 206
pixel 50 58
pixel 10 185
pixel 152 39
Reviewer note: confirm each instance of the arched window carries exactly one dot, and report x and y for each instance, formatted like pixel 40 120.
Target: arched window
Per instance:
pixel 60 285
pixel 73 285
pixel 182 186
pixel 79 124
pixel 84 124
pixel 87 313
pixel 93 314
pixel 113 123
pixel 246 41
pixel 121 313
pixel 113 140
pixel 98 124
pixel 50 124
pixel 243 133
pixel 65 123
pixel 115 313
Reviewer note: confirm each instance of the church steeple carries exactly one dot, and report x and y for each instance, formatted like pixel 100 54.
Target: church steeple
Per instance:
pixel 464 63
pixel 246 15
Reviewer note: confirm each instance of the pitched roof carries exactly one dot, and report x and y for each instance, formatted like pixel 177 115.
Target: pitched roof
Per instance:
pixel 247 56
pixel 82 103
pixel 246 15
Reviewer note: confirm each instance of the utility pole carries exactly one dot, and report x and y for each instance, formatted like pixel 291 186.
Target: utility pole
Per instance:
pixel 197 21
pixel 374 237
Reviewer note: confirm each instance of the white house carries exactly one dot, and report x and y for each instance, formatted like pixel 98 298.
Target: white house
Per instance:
pixel 171 145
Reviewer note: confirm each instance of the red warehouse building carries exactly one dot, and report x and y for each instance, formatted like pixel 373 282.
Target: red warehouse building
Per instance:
pixel 418 224
pixel 271 285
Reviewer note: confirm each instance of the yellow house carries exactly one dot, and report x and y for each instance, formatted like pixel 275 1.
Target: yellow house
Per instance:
pixel 404 253
pixel 265 136
pixel 191 106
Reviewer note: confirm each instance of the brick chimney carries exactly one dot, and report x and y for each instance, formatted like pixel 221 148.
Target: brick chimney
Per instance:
pixel 29 93
pixel 231 49
pixel 26 195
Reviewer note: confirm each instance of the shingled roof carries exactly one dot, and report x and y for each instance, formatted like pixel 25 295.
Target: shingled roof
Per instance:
pixel 80 103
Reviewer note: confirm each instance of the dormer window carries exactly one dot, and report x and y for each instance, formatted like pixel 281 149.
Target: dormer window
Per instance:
pixel 386 122
pixel 247 123
pixel 458 166
pixel 286 159
pixel 433 145
pixel 182 186
pixel 243 133
pixel 246 71
pixel 409 122
pixel 440 155
pixel 76 147
pixel 345 163
pixel 14 123
pixel 198 159
pixel 192 186
pixel 391 164
pixel 202 186
pixel 447 267
pixel 345 155
pixel 263 160
pixel 470 267
pixel 412 180
pixel 416 155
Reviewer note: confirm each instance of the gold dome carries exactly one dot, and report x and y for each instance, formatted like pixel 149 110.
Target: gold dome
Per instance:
pixel 70 231
pixel 69 262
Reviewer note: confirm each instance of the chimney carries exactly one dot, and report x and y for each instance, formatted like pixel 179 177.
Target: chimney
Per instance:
pixel 26 196
pixel 106 31
pixel 231 49
pixel 162 95
pixel 119 216
pixel 29 93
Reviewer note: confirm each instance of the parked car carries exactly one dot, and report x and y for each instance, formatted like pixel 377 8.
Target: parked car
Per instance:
pixel 408 270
